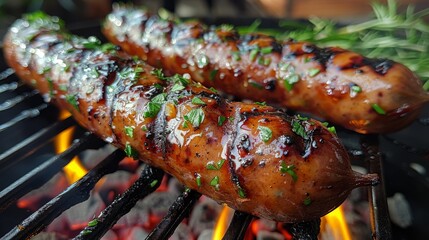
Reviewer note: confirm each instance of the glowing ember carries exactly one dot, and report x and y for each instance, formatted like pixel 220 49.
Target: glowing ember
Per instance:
pixel 335 226
pixel 74 170
pixel 222 222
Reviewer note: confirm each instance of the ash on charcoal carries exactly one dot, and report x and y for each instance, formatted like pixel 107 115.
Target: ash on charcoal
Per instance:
pixel 175 187
pixel 158 203
pixel 49 236
pixel 110 235
pixel 138 215
pixel 206 235
pixel 134 233
pixel 204 215
pixel 117 182
pixel 182 232
pixel 399 210
pixel 418 168
pixel 78 216
pixel 91 157
pixel 267 235
pixel 49 190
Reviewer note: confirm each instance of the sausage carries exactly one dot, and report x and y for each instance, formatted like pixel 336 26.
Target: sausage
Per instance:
pixel 254 158
pixel 343 87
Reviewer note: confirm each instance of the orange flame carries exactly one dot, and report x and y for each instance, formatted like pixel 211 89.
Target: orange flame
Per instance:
pixel 74 170
pixel 222 222
pixel 335 225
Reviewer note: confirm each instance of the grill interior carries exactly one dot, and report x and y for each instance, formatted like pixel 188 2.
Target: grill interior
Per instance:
pixel 28 160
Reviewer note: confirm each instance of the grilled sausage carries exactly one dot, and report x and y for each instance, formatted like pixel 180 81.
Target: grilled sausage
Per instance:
pixel 358 93
pixel 254 158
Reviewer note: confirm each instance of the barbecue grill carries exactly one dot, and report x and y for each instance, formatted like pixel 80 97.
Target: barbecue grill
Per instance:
pixel 27 161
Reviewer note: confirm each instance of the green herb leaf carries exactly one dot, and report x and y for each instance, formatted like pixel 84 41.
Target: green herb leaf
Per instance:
pixel 151 109
pixel 290 81
pixel 253 53
pixel 217 166
pixel 307 201
pixel 158 73
pixel 236 56
pixel 299 129
pixel 198 101
pixel 332 130
pixel 153 183
pixel 198 179
pixel 195 117
pixel 378 109
pixel 241 193
pixel 266 50
pixel 213 74
pixel 289 169
pixel 215 182
pixel 51 86
pixel 261 103
pixel 129 131
pixel 130 151
pixel 93 223
pixel 255 84
pixel 356 89
pixel 220 120
pixel 265 133
pixel 313 72
pixel 213 90
pixel 72 100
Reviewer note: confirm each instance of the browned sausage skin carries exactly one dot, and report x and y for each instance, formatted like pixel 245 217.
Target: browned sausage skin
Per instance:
pixel 358 93
pixel 254 158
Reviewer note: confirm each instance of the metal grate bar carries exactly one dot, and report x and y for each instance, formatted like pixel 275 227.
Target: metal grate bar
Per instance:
pixel 46 170
pixel 304 230
pixel 380 220
pixel 32 143
pixel 176 213
pixel 238 226
pixel 73 195
pixel 149 181
pixel 26 114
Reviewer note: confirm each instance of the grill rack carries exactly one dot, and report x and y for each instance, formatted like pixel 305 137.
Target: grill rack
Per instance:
pixel 79 191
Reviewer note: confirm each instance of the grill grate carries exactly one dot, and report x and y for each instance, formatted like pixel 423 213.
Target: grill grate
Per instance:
pixel 147 183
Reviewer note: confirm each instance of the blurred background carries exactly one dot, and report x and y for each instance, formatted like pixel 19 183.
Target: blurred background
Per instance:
pixel 78 10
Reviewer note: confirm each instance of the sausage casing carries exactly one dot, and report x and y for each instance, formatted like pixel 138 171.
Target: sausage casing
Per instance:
pixel 343 87
pixel 254 158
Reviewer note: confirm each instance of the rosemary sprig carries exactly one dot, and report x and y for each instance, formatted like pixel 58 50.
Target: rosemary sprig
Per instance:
pixel 400 36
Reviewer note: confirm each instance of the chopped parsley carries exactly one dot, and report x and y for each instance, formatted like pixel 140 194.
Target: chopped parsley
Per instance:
pixel 313 72
pixel 253 53
pixel 198 101
pixel 129 131
pixel 215 182
pixel 51 86
pixel 307 201
pixel 236 56
pixel 220 120
pixel 217 166
pixel 153 183
pixel 195 117
pixel 144 128
pixel 93 223
pixel 290 81
pixel 261 103
pixel 72 100
pixel 289 169
pixel 130 151
pixel 356 89
pixel 198 179
pixel 255 84
pixel 151 109
pixel 213 90
pixel 179 79
pixel 378 109
pixel 213 74
pixel 154 106
pixel 283 66
pixel 241 193
pixel 266 50
pixel 265 133
pixel 108 47
pixel 177 87
pixel 158 73
pixel 298 128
